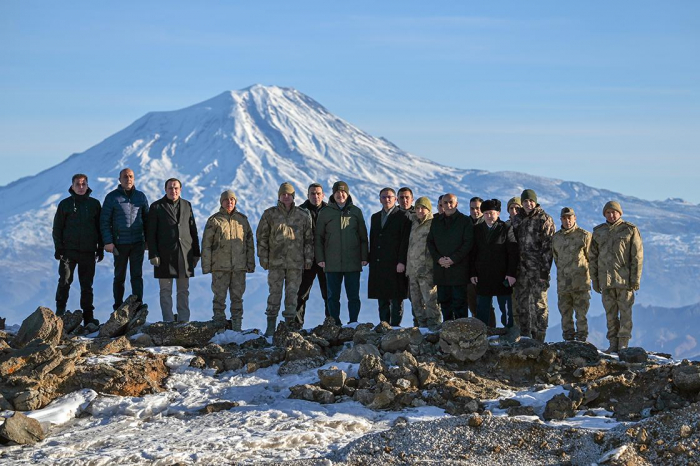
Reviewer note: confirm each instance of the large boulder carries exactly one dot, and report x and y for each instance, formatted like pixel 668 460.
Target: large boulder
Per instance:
pixel 120 321
pixel 464 339
pixel 686 377
pixel 21 429
pixel 42 324
pixel 28 359
pixel 559 408
pixel 311 393
pixel 71 321
pixel 401 339
pixel 371 366
pixel 332 379
pixel 633 355
pixel 187 334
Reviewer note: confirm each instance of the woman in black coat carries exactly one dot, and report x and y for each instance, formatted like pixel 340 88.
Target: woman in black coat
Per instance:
pixel 494 262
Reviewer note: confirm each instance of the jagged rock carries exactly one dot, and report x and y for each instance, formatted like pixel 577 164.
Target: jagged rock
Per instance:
pixel 137 321
pixel 296 347
pixel 367 334
pixel 106 346
pixel 508 403
pixel 3 345
pixel 27 359
pixel 297 366
pixel 401 339
pixel 464 339
pixel 356 352
pixel 91 328
pixel 329 331
pixel 383 399
pixel 219 406
pixel 141 340
pixel 371 366
pixel 560 407
pixel 402 359
pixel 71 321
pixel 186 334
pixel 364 396
pixel 198 362
pixel 42 324
pixel 686 377
pixel 475 420
pixel 118 323
pixel 135 375
pixel 311 393
pixel 633 355
pixel 521 411
pixel 233 364
pixel 332 379
pixel 21 429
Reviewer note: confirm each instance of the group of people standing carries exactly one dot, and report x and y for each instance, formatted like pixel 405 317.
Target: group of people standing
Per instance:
pixel 447 263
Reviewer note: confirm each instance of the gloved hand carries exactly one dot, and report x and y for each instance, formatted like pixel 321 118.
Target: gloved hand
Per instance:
pixel 100 255
pixel 155 262
pixel 58 255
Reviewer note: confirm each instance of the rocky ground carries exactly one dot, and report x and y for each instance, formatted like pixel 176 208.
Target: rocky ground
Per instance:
pixel 461 368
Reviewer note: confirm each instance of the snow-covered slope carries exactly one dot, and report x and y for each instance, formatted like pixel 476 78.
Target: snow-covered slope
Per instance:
pixel 252 140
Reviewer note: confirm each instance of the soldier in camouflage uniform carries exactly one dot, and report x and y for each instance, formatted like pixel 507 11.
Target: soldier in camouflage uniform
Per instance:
pixel 534 229
pixel 570 247
pixel 616 270
pixel 419 268
pixel 228 254
pixel 285 249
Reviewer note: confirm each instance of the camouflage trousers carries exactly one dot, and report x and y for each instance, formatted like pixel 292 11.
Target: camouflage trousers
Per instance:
pixel 571 302
pixel 426 310
pixel 618 311
pixel 291 279
pixel 530 294
pixel 228 282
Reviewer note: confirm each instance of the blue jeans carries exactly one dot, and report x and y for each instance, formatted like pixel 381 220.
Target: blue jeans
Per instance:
pixel 505 304
pixel 352 289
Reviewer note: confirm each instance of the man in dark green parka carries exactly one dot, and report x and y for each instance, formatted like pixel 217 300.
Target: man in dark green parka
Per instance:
pixel 77 242
pixel 449 242
pixel 341 248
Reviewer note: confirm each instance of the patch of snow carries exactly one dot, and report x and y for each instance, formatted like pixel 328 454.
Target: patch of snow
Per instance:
pixel 229 336
pixel 65 408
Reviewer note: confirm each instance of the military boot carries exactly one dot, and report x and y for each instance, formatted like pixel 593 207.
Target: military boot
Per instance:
pixel 271 326
pixel 613 348
pixel 236 324
pixel 622 343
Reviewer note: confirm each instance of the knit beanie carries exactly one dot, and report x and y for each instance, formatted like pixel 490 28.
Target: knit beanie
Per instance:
pixel 228 194
pixel 341 186
pixel 528 194
pixel 614 205
pixel 424 202
pixel 514 200
pixel 285 188
pixel 491 204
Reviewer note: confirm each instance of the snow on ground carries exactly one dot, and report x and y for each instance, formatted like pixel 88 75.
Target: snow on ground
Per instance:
pixel 165 428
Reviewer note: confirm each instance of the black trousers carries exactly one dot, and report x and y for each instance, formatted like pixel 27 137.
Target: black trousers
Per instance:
pixel 453 301
pixel 131 255
pixel 307 282
pixel 85 261
pixel 391 311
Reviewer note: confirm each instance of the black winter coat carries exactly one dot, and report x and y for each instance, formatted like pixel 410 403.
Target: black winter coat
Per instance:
pixel 76 225
pixel 388 246
pixel 494 255
pixel 174 241
pixel 452 237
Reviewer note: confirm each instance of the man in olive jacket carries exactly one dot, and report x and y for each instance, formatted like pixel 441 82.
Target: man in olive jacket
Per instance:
pixel 77 242
pixel 616 259
pixel 285 249
pixel 342 249
pixel 388 250
pixel 228 253
pixel 173 249
pixel 450 241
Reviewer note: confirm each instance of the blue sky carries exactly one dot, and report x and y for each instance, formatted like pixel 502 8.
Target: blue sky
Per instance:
pixel 607 93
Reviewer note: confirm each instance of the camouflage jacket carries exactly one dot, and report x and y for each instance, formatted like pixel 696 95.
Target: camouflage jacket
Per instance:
pixel 227 243
pixel 616 256
pixel 571 248
pixel 285 238
pixel 534 233
pixel 420 262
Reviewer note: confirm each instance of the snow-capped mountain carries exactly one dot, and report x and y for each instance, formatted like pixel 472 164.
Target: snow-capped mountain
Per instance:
pixel 254 139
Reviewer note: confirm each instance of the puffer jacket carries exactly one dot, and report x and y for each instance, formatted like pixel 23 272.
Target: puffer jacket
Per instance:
pixel 227 243
pixel 534 233
pixel 616 256
pixel 570 249
pixel 341 237
pixel 76 225
pixel 124 217
pixel 285 238
pixel 420 262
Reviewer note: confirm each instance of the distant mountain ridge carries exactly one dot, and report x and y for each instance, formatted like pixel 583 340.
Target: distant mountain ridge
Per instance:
pixel 254 139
